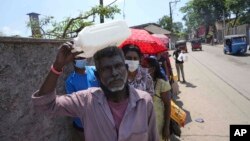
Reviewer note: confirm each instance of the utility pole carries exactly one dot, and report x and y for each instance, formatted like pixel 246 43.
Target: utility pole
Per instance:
pixel 224 25
pixel 101 15
pixel 170 12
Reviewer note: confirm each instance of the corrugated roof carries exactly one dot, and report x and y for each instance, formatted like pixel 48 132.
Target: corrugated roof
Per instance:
pixel 152 28
pixel 157 30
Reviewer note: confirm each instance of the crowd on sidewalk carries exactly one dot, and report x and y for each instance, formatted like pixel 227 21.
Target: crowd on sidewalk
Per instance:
pixel 125 96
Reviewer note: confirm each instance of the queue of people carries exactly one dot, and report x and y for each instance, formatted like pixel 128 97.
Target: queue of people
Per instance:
pixel 125 97
pixel 81 78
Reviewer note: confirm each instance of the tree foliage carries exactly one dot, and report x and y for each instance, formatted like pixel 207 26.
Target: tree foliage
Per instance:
pixel 207 12
pixel 203 12
pixel 177 27
pixel 70 27
pixel 165 22
pixel 240 9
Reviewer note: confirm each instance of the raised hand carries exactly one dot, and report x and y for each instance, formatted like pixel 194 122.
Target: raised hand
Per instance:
pixel 64 55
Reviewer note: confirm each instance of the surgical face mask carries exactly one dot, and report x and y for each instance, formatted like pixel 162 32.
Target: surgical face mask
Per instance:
pixel 132 65
pixel 80 63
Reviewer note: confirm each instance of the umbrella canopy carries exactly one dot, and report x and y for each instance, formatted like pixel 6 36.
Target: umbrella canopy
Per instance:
pixel 162 37
pixel 147 43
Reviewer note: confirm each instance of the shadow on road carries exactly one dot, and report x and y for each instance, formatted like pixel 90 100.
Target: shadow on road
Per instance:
pixel 188 117
pixel 188 84
pixel 174 138
pixel 175 96
pixel 178 102
pixel 196 50
pixel 245 55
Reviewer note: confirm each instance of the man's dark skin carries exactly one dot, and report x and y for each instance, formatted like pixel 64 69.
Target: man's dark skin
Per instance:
pixel 112 74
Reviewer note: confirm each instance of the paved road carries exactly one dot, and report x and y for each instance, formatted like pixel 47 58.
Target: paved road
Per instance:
pixel 234 70
pixel 217 91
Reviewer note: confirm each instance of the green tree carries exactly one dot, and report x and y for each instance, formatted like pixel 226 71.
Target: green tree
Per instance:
pixel 165 22
pixel 203 12
pixel 240 9
pixel 177 27
pixel 192 18
pixel 70 27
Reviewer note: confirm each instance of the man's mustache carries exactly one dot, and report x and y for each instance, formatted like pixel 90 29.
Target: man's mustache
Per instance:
pixel 114 79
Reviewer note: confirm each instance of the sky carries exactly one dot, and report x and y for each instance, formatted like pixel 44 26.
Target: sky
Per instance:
pixel 14 18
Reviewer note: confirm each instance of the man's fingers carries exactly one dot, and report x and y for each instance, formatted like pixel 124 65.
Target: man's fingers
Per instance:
pixel 67 46
pixel 69 43
pixel 77 53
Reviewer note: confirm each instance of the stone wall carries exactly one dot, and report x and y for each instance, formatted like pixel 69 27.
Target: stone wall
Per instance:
pixel 24 63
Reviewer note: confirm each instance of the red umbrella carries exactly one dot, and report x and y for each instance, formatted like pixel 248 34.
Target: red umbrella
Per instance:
pixel 147 43
pixel 163 38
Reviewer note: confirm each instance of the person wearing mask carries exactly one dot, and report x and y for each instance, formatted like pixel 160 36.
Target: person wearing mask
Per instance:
pixel 115 111
pixel 162 98
pixel 179 64
pixel 165 65
pixel 138 77
pixel 81 78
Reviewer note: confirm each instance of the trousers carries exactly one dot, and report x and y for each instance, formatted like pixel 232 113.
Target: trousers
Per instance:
pixel 179 67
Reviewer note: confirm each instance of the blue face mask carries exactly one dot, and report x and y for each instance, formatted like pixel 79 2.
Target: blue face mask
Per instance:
pixel 80 63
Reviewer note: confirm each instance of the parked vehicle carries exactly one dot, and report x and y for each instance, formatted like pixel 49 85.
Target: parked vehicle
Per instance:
pixel 182 44
pixel 235 44
pixel 196 44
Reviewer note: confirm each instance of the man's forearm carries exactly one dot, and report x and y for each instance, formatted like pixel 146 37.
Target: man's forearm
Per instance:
pixel 167 113
pixel 50 82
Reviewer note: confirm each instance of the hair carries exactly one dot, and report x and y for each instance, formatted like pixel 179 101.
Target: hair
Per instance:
pixel 109 51
pixel 131 47
pixel 153 63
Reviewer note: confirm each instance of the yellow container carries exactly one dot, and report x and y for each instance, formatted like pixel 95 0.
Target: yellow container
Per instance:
pixel 178 114
pixel 175 77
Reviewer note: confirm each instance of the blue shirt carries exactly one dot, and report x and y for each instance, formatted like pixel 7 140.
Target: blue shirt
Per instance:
pixel 164 73
pixel 76 82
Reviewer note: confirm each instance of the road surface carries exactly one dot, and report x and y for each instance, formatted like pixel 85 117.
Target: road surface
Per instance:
pixel 217 90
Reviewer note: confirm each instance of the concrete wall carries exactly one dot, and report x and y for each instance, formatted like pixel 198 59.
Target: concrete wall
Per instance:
pixel 24 63
pixel 242 29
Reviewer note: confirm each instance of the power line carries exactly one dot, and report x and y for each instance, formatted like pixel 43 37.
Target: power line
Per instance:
pixel 124 10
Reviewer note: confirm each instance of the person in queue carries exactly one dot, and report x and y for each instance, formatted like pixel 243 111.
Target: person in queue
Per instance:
pixel 81 78
pixel 138 77
pixel 114 111
pixel 162 97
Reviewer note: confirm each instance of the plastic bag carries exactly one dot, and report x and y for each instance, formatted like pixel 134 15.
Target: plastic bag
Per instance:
pixel 185 58
pixel 182 57
pixel 175 88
